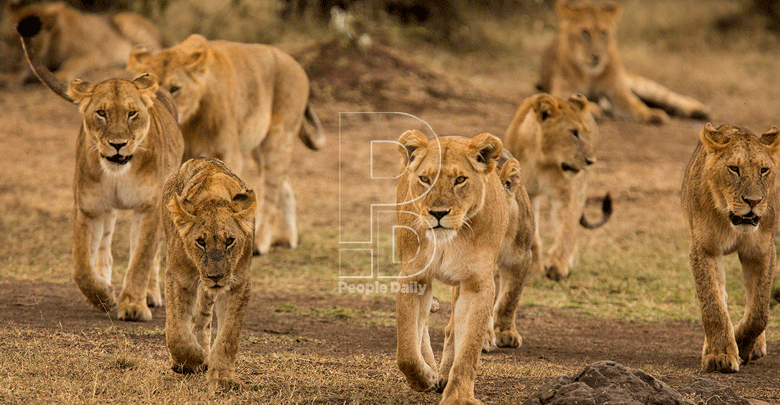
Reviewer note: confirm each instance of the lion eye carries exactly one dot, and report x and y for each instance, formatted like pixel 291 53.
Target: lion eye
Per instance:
pixel 586 35
pixel 575 133
pixel 734 169
pixel 101 113
pixel 764 171
pixel 229 242
pixel 425 180
pixel 201 243
pixel 173 89
pixel 460 180
pixel 132 114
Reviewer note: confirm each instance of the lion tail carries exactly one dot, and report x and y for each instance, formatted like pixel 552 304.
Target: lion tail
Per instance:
pixel 312 135
pixel 657 95
pixel 606 212
pixel 29 27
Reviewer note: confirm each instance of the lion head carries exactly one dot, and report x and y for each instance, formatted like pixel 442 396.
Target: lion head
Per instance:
pixel 447 179
pixel 116 116
pixel 741 171
pixel 568 132
pixel 588 33
pixel 214 217
pixel 180 69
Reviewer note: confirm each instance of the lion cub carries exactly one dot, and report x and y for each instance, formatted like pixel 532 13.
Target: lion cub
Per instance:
pixel 584 58
pixel 731 205
pixel 453 216
pixel 128 144
pixel 208 214
pixel 554 141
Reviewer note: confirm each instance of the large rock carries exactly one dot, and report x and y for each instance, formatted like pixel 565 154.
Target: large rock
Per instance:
pixel 607 382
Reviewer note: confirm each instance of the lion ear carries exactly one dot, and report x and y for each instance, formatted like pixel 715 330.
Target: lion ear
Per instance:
pixel 196 57
pixel 510 175
pixel 147 85
pixel 545 106
pixel 244 205
pixel 713 139
pixel 80 92
pixel 138 61
pixel 771 140
pixel 565 10
pixel 182 211
pixel 484 150
pixel 410 142
pixel 611 10
pixel 579 100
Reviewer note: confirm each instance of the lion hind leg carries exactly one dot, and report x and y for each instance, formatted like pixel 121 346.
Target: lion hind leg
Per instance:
pixel 144 242
pixel 88 232
pixel 153 294
pixel 509 288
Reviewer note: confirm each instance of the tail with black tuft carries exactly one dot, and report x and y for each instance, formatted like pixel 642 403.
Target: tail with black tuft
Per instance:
pixel 606 212
pixel 313 137
pixel 28 28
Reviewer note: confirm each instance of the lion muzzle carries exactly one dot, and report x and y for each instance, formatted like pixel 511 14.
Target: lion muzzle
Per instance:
pixel 750 219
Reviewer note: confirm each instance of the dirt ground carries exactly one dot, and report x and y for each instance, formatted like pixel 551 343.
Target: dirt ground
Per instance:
pixel 641 166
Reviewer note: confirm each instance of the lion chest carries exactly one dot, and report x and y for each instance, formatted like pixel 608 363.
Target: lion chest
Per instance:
pixel 119 191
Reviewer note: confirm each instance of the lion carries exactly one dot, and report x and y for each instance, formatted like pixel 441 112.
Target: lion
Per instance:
pixel 554 140
pixel 236 99
pixel 128 144
pixel 584 58
pixel 730 204
pixel 73 43
pixel 453 216
pixel 208 215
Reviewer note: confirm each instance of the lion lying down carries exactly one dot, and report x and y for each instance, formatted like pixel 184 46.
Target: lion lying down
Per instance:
pixel 208 215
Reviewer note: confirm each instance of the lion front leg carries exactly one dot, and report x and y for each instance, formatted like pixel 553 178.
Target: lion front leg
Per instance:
pixel 231 309
pixel 567 209
pixel 471 317
pixel 92 257
pixel 145 231
pixel 720 352
pixel 509 287
pixel 414 354
pixel 757 270
pixel 189 352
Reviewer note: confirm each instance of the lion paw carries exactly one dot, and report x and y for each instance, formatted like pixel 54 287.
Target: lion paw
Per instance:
pixel 555 273
pixel 722 362
pixel 656 117
pixel 508 338
pixel 189 369
pixel 134 312
pixel 224 385
pixel 489 344
pixel 154 298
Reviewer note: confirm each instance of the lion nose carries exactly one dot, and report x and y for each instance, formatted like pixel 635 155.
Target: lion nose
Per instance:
pixel 752 202
pixel 118 145
pixel 215 277
pixel 590 161
pixel 439 214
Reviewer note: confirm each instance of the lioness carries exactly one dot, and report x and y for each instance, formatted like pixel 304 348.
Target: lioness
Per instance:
pixel 72 43
pixel 731 205
pixel 584 58
pixel 128 144
pixel 554 140
pixel 208 214
pixel 453 215
pixel 237 99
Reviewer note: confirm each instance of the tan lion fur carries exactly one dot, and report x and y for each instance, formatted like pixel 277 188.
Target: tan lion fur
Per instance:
pixel 554 140
pixel 730 202
pixel 208 216
pixel 241 99
pixel 472 208
pixel 584 58
pixel 72 42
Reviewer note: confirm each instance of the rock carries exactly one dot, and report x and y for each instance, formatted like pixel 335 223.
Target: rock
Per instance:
pixel 607 382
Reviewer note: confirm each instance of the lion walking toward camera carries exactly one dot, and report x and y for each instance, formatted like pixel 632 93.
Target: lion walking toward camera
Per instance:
pixel 584 58
pixel 730 203
pixel 128 144
pixel 242 99
pixel 453 215
pixel 554 141
pixel 208 214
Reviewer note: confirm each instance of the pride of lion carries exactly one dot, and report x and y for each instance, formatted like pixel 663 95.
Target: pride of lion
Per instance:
pixel 172 145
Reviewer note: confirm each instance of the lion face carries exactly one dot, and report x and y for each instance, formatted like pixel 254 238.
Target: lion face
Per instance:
pixel 741 169
pixel 216 233
pixel 569 132
pixel 116 116
pixel 180 70
pixel 589 33
pixel 447 179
